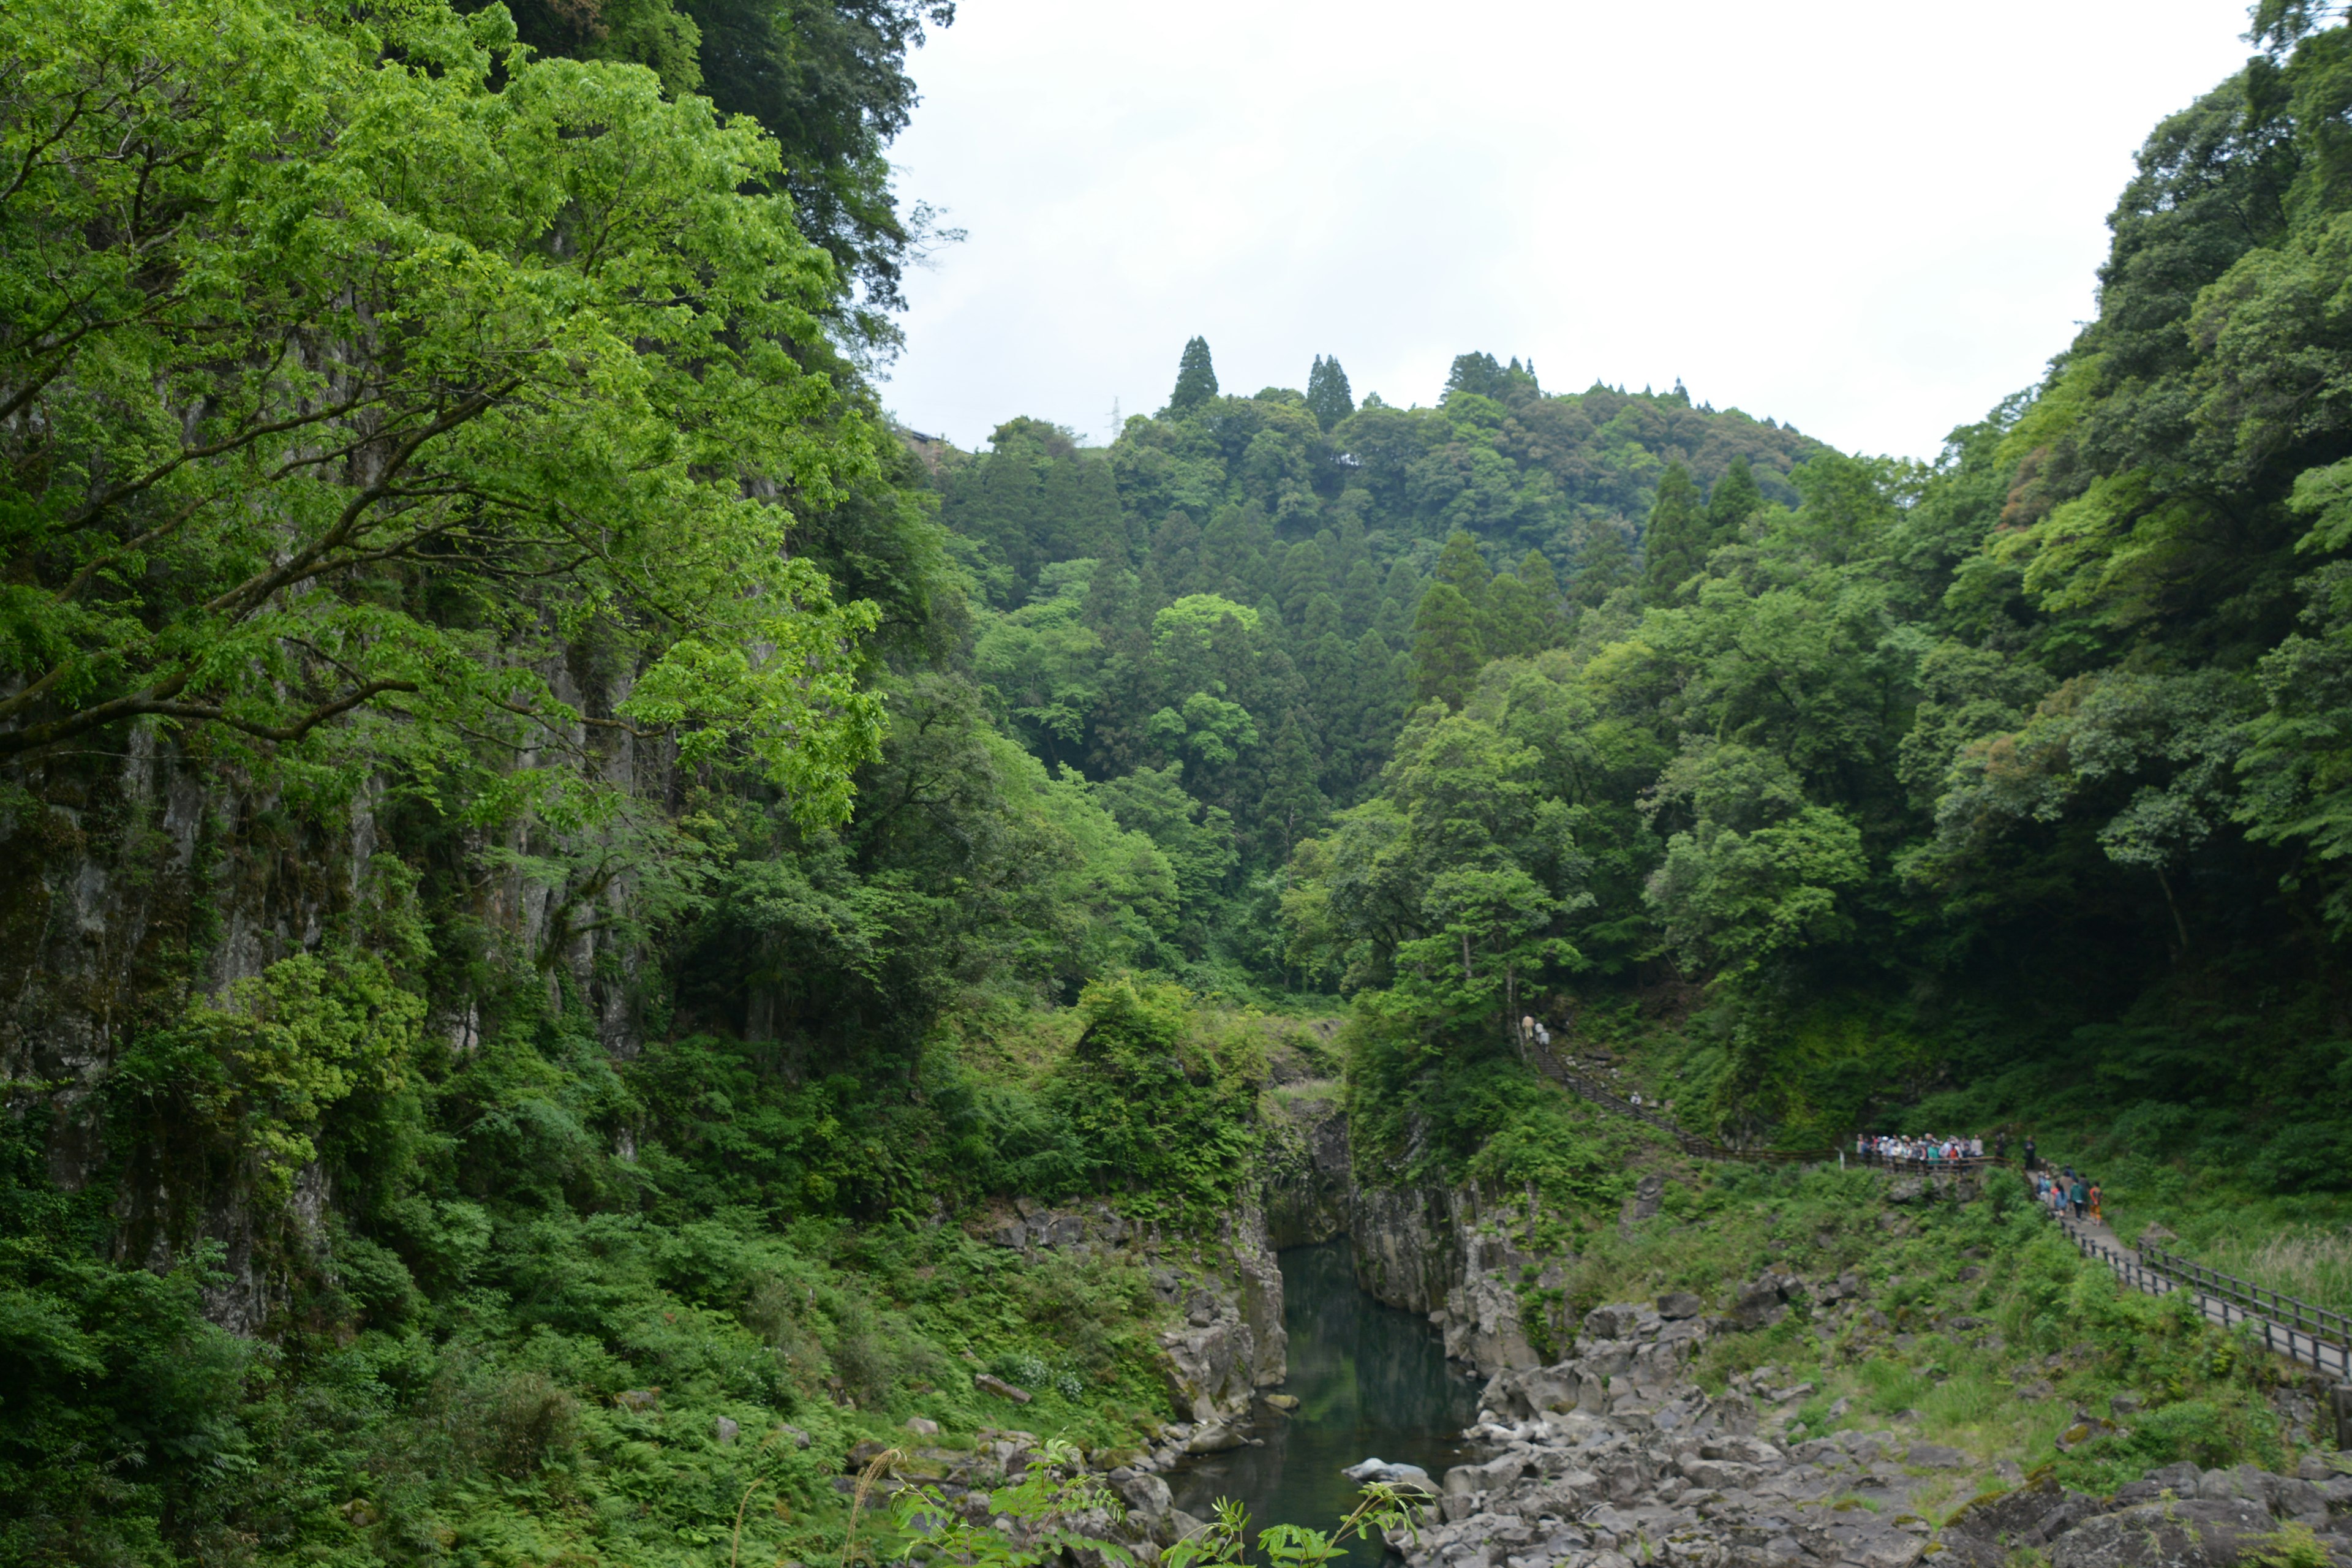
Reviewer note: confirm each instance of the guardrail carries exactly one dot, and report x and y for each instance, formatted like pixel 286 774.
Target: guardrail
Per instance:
pixel 2291 1326
pixel 2291 1312
pixel 2221 1299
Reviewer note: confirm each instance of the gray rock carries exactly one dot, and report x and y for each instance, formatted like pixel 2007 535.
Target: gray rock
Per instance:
pixel 1935 1457
pixel 1483 1325
pixel 922 1426
pixel 1678 1304
pixel 989 1382
pixel 2199 1534
pixel 1617 1321
pixel 727 1431
pixel 2242 1482
pixel 1146 1496
pixel 1215 1440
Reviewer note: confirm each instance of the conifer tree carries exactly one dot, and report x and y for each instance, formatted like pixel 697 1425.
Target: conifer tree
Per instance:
pixel 1462 565
pixel 1292 807
pixel 1674 544
pixel 1605 562
pixel 1196 379
pixel 1731 503
pixel 1522 610
pixel 1328 398
pixel 1447 651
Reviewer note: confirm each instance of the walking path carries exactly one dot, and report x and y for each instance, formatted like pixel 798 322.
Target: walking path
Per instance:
pixel 2288 1327
pixel 2308 1335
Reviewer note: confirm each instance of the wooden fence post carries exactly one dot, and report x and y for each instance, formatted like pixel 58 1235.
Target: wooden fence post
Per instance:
pixel 2342 1394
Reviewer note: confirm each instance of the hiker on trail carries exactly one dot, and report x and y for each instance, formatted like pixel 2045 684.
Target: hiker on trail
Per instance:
pixel 2080 1196
pixel 2032 1161
pixel 2097 1218
pixel 2001 1144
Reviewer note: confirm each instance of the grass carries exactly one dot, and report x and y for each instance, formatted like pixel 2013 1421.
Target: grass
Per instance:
pixel 2315 1265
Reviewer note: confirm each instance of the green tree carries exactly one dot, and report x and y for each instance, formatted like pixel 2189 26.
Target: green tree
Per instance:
pixel 1196 379
pixel 1447 649
pixel 328 475
pixel 1674 540
pixel 1731 502
pixel 827 79
pixel 1462 565
pixel 1328 392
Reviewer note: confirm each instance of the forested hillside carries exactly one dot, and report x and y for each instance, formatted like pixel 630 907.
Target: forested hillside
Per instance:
pixel 1221 620
pixel 567 889
pixel 2015 781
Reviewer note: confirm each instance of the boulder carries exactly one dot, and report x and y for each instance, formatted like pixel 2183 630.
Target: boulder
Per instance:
pixel 989 1382
pixel 1532 1393
pixel 1757 1304
pixel 922 1426
pixel 1618 1321
pixel 1677 1304
pixel 1409 1477
pixel 726 1431
pixel 2201 1532
pixel 1208 1368
pixel 1483 1325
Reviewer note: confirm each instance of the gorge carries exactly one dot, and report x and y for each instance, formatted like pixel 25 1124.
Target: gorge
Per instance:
pixel 614 959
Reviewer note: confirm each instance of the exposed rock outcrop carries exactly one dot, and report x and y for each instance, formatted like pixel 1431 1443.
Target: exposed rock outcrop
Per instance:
pixel 1614 1457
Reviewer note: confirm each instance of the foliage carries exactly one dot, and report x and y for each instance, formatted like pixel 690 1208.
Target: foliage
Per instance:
pixel 347 386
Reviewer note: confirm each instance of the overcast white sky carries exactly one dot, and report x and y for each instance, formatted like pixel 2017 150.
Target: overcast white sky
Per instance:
pixel 1870 220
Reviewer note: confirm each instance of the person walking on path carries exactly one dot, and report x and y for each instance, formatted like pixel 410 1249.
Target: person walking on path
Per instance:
pixel 2080 1196
pixel 2097 1217
pixel 2032 1161
pixel 2001 1144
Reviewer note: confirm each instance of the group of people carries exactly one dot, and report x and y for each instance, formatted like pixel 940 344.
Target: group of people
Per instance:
pixel 1885 1146
pixel 2067 1191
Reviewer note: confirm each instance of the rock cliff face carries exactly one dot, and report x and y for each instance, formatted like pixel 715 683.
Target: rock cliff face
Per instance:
pixel 1443 1252
pixel 135 884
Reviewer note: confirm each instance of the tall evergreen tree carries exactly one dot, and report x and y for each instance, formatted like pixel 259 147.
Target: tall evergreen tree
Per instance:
pixel 1196 379
pixel 1604 563
pixel 1524 611
pixel 1732 502
pixel 1461 565
pixel 1674 544
pixel 1329 396
pixel 1447 651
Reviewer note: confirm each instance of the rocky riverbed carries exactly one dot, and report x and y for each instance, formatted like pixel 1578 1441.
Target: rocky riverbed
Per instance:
pixel 1616 1458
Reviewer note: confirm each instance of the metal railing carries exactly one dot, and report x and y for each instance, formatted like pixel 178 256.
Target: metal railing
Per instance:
pixel 2291 1312
pixel 2289 1326
pixel 2223 1299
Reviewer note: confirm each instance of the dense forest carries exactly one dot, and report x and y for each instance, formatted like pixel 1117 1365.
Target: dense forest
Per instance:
pixel 561 868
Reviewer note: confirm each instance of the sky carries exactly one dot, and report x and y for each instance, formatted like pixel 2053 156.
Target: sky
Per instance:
pixel 1872 221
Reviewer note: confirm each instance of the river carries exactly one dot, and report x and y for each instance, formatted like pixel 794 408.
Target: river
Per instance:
pixel 1371 1381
